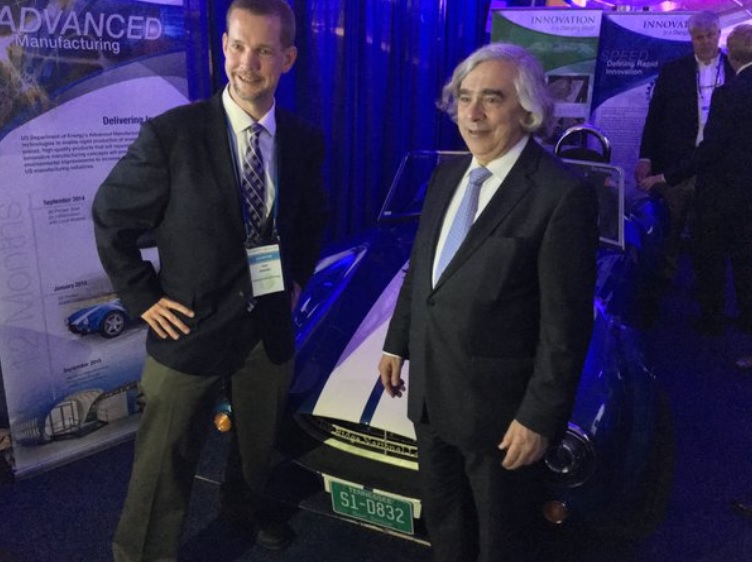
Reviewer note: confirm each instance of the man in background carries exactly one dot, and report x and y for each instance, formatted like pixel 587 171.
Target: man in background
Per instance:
pixel 673 127
pixel 223 184
pixel 495 312
pixel 723 164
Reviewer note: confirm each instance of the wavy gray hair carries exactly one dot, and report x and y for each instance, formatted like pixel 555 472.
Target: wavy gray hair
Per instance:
pixel 529 82
pixel 703 21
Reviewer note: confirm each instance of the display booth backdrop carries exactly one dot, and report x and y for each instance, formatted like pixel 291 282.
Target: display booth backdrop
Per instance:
pixel 78 79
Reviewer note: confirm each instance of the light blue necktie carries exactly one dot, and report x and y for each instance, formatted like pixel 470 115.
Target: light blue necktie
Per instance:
pixel 463 220
pixel 253 182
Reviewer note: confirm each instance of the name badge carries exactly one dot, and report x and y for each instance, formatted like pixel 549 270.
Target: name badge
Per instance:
pixel 265 266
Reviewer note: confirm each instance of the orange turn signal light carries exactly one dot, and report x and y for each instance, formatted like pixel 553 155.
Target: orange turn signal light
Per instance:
pixel 555 512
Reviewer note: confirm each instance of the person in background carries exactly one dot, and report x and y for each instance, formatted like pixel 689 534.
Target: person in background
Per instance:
pixel 723 165
pixel 495 313
pixel 674 125
pixel 219 183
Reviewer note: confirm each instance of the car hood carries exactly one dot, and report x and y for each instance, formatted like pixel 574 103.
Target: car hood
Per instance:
pixel 353 391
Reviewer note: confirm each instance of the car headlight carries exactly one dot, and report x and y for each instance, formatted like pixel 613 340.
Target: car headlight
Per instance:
pixel 572 461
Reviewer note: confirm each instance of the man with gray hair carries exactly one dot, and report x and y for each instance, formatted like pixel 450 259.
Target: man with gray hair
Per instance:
pixel 495 312
pixel 674 125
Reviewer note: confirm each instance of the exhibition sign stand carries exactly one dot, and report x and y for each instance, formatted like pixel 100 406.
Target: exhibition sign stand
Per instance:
pixel 565 41
pixel 78 79
pixel 633 48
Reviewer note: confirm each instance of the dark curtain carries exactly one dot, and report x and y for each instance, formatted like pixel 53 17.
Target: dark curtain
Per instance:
pixel 369 73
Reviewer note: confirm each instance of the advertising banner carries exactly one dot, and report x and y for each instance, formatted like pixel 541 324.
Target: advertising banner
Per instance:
pixel 78 79
pixel 565 41
pixel 633 48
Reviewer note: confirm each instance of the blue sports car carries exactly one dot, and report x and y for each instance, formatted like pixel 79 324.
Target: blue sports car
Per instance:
pixel 108 319
pixel 612 470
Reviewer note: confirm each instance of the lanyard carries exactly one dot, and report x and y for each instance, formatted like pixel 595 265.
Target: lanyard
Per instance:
pixel 715 82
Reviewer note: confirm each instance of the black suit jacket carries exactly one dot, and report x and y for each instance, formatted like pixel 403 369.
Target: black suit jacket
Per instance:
pixel 672 121
pixel 505 331
pixel 723 160
pixel 178 180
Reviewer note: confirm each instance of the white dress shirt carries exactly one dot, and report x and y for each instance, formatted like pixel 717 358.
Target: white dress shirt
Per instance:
pixel 239 123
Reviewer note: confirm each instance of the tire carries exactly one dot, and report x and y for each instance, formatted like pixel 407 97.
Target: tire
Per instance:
pixel 113 324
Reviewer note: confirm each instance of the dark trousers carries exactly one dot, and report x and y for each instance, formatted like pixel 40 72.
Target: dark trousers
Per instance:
pixel 679 201
pixel 723 234
pixel 474 509
pixel 177 412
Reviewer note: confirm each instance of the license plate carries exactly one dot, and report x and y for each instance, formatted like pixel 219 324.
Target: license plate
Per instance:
pixel 371 507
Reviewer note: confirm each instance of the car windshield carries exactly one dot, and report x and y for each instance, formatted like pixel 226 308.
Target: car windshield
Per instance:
pixel 405 198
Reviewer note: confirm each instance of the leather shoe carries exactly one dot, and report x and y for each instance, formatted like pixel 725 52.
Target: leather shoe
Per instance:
pixel 744 362
pixel 742 507
pixel 277 536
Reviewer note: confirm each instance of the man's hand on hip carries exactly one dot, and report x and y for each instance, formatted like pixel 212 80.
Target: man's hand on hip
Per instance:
pixel 523 446
pixel 164 321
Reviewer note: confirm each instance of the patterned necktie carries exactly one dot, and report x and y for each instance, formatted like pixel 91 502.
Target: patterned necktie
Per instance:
pixel 253 182
pixel 463 220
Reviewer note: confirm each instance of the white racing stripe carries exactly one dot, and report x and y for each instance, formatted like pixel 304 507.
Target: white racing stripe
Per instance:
pixel 350 384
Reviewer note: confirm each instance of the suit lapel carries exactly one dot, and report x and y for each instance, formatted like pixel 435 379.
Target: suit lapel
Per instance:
pixel 514 187
pixel 445 190
pixel 217 144
pixel 286 164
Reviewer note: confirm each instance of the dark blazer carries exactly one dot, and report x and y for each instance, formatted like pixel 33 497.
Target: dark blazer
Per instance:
pixel 505 331
pixel 178 180
pixel 672 122
pixel 723 160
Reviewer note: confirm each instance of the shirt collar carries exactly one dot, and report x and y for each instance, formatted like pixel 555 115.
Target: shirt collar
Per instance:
pixel 744 67
pixel 240 120
pixel 713 62
pixel 500 166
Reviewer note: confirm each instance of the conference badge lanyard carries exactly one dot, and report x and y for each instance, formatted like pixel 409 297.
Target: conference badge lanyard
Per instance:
pixel 262 252
pixel 265 261
pixel 265 267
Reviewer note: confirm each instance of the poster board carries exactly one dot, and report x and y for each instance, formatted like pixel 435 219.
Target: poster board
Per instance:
pixel 634 46
pixel 565 41
pixel 78 79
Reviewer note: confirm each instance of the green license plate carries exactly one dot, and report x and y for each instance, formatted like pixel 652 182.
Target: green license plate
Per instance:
pixel 373 508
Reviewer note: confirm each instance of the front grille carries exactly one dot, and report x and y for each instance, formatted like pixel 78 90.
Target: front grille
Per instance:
pixel 361 439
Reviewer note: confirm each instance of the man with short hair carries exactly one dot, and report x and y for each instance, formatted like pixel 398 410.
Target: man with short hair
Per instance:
pixel 674 125
pixel 495 312
pixel 723 164
pixel 223 184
